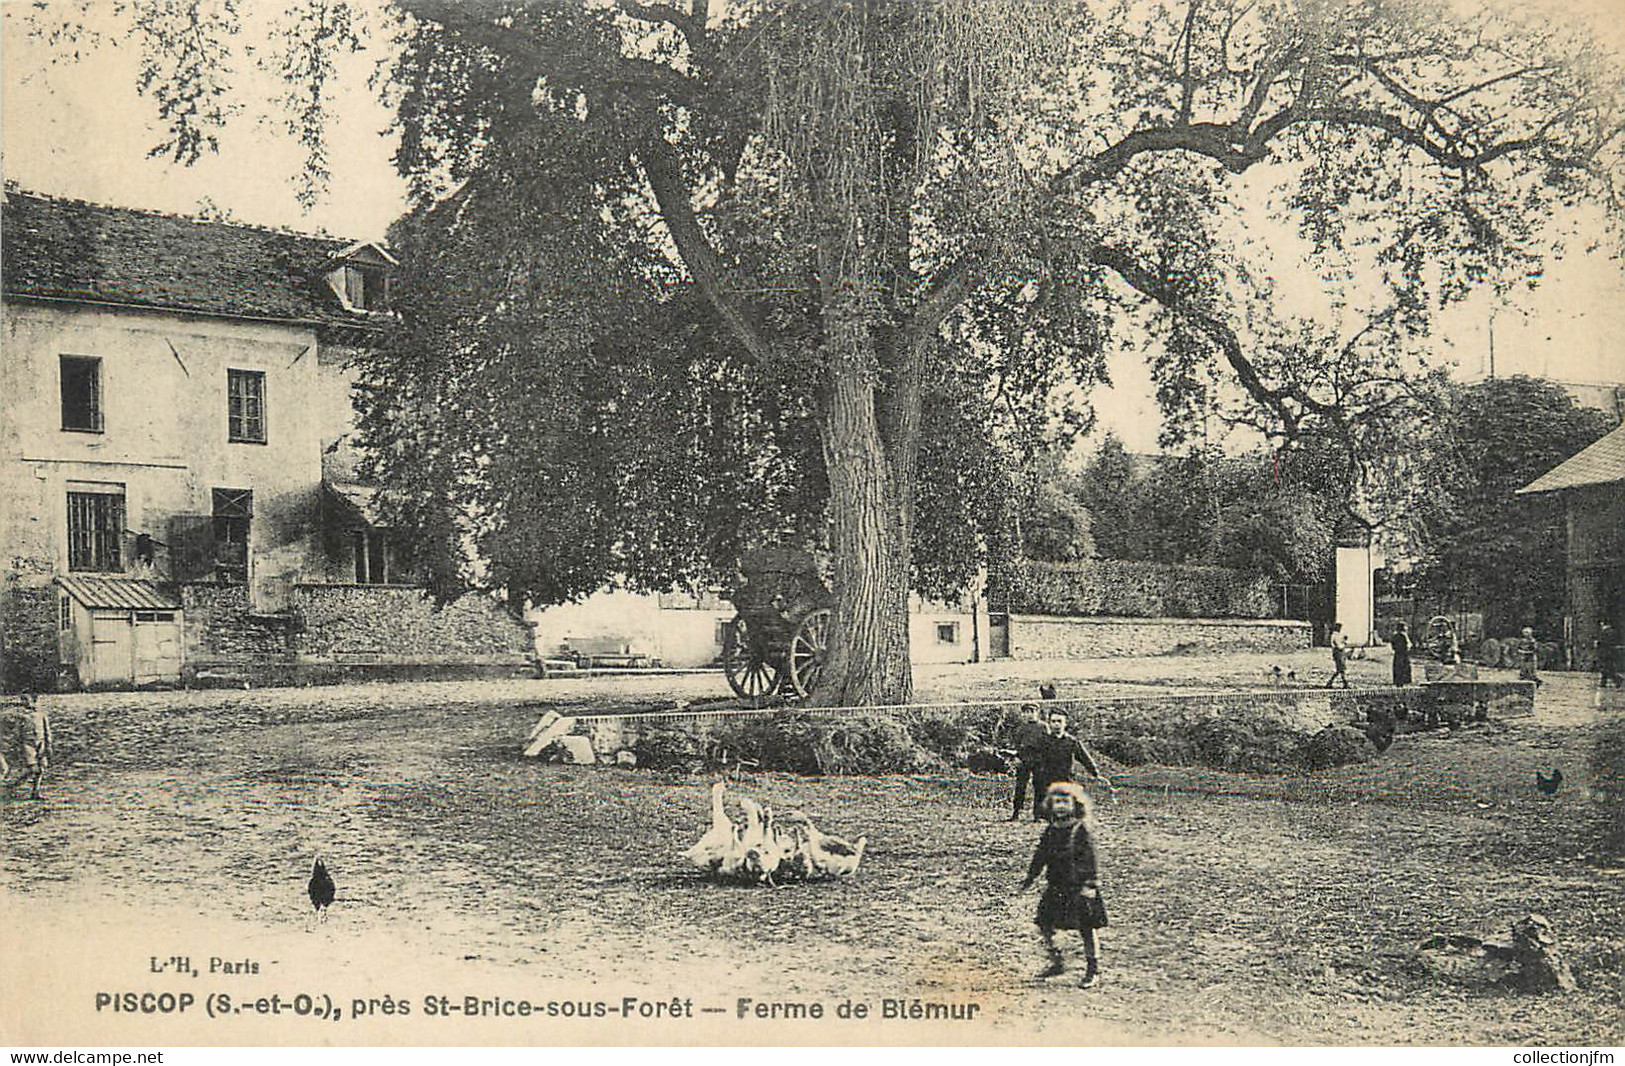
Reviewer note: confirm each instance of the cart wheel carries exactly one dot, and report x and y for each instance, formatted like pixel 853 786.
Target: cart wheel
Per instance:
pixel 809 649
pixel 749 674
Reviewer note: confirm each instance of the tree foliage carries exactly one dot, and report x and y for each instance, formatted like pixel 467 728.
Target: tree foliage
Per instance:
pixel 787 260
pixel 1265 513
pixel 1483 547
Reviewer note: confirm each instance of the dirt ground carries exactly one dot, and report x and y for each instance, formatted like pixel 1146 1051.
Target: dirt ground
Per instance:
pixel 1245 909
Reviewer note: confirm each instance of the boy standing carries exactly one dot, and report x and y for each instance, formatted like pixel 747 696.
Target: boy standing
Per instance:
pixel 1029 736
pixel 1340 656
pixel 28 734
pixel 1054 755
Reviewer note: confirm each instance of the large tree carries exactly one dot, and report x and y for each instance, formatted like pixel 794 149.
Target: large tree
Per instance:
pixel 900 216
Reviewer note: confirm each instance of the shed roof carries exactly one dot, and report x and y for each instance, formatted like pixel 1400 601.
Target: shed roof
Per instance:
pixel 118 593
pixel 72 250
pixel 1602 463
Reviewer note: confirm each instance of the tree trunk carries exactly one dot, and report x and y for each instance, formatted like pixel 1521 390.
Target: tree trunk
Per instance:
pixel 869 649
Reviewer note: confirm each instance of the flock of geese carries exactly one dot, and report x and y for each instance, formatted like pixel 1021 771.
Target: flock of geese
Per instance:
pixel 764 848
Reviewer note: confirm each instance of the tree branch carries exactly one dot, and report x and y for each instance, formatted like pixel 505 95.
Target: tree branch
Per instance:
pixel 1147 283
pixel 671 191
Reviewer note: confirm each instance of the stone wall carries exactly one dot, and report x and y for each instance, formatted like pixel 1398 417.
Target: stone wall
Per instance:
pixel 28 630
pixel 220 628
pixel 400 623
pixel 332 631
pixel 1053 637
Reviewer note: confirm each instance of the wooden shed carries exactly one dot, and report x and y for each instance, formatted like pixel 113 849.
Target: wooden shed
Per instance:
pixel 119 631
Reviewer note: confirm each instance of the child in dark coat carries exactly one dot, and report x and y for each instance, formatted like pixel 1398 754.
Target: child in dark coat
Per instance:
pixel 1071 900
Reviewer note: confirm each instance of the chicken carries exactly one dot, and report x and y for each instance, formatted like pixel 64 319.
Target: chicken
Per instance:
pixel 1549 785
pixel 322 890
pixel 720 844
pixel 830 856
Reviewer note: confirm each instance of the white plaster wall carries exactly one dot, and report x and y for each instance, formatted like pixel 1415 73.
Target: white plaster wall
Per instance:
pixel 165 428
pixel 1354 596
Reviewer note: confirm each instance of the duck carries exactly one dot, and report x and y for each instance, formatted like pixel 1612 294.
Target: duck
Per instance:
pixel 831 856
pixel 718 848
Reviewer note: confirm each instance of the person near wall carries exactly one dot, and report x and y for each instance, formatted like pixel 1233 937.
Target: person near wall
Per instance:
pixel 1608 666
pixel 1340 656
pixel 1528 656
pixel 1401 641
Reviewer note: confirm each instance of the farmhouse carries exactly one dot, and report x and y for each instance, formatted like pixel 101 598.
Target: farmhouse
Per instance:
pixel 1591 485
pixel 178 497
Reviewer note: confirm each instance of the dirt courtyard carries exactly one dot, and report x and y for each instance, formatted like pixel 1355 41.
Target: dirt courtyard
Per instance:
pixel 1244 908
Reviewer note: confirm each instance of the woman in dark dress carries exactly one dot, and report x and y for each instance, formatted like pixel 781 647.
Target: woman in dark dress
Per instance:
pixel 1402 655
pixel 1066 852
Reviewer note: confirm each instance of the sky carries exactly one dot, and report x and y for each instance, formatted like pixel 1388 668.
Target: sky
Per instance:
pixel 78 129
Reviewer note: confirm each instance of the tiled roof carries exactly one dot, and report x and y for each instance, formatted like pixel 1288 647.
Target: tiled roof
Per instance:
pixel 72 250
pixel 117 592
pixel 1600 464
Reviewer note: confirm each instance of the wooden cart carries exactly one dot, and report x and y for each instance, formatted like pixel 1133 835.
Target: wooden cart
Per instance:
pixel 779 640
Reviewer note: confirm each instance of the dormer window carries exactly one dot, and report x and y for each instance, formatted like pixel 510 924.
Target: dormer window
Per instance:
pixel 359 277
pixel 365 289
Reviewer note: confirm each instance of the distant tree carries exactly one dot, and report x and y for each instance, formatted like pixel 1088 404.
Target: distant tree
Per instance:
pixel 1484 546
pixel 1055 525
pixel 1255 512
pixel 1111 490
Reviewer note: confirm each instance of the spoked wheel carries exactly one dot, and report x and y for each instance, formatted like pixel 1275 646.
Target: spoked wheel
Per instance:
pixel 809 649
pixel 750 675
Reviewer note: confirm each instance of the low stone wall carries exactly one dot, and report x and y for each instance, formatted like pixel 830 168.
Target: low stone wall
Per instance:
pixel 349 632
pixel 1037 636
pixel 221 628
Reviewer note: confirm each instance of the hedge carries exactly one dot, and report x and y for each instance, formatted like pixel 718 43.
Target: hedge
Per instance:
pixel 1122 588
pixel 979 738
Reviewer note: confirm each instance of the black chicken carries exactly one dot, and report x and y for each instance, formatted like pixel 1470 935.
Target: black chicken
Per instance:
pixel 322 889
pixel 1549 785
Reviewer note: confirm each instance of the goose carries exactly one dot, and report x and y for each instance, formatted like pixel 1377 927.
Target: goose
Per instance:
pixel 828 855
pixel 761 852
pixel 716 849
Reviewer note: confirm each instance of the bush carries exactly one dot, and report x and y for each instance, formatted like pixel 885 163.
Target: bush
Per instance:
pixel 1336 745
pixel 800 743
pixel 669 748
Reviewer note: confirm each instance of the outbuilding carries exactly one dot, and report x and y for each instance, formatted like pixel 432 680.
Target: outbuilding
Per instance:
pixel 1591 485
pixel 119 631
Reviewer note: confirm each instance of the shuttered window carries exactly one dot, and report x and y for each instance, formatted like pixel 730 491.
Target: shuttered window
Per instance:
pixel 245 406
pixel 95 528
pixel 233 520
